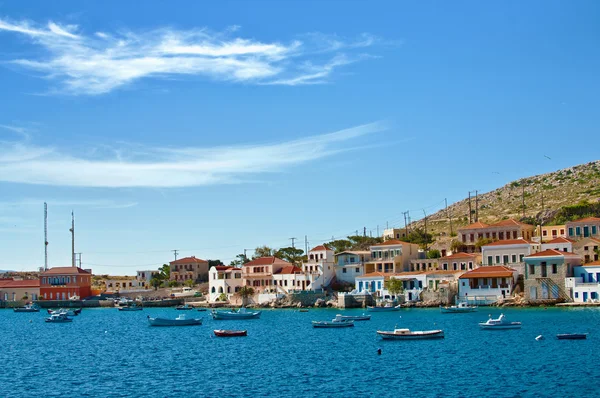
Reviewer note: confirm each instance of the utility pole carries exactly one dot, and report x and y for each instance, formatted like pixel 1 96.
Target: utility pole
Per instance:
pixel 45 237
pixel 378 230
pixel 293 239
pixel 470 219
pixel 305 244
pixel 448 215
pixel 72 239
pixel 476 206
pixel 387 225
pixel 523 196
pixel 175 251
pixel 364 232
pixel 405 224
pixel 425 215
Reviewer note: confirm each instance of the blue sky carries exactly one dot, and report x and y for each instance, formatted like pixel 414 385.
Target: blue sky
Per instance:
pixel 213 127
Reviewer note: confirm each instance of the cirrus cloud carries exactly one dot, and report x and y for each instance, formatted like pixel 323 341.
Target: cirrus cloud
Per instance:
pixel 102 62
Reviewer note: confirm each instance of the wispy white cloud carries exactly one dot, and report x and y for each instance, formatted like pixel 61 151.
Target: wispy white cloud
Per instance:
pixel 22 131
pixel 101 62
pixel 99 203
pixel 171 167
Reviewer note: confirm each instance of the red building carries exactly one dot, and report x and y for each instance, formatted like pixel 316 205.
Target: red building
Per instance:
pixel 62 283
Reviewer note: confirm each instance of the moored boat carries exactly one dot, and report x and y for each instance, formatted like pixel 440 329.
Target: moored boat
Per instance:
pixel 181 320
pixel 230 333
pixel 459 308
pixel 27 308
pixel 387 307
pixel 133 307
pixel 332 324
pixel 64 311
pixel 242 313
pixel 407 334
pixel 362 317
pixel 499 323
pixel 572 336
pixel 184 307
pixel 58 318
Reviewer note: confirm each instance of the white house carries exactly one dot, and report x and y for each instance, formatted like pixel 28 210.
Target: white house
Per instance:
pixel 560 244
pixel 374 283
pixel 509 253
pixel 486 285
pixel 143 278
pixel 223 279
pixel 350 264
pixel 585 285
pixel 413 284
pixel 286 279
pixel 320 267
pixel 391 256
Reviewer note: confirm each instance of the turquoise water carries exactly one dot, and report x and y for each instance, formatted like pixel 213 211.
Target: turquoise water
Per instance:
pixel 107 353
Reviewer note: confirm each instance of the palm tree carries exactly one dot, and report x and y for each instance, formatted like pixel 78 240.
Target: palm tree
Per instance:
pixel 244 293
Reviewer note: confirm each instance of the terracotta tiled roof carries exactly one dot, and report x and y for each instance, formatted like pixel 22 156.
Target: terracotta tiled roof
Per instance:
pixel 65 271
pixel 552 253
pixel 266 261
pixel 288 270
pixel 592 264
pixel 356 252
pixel 491 271
pixel 475 225
pixel 587 219
pixel 519 241
pixel 459 255
pixel 385 275
pixel 223 267
pixel 20 284
pixel 188 260
pixel 319 248
pixel 510 223
pixel 392 242
pixel 560 240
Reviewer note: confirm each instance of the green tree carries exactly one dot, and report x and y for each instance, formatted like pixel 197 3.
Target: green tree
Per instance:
pixel 244 293
pixel 156 281
pixel 290 254
pixel 457 246
pixel 214 263
pixel 173 284
pixel 222 297
pixel 434 254
pixel 189 283
pixel 262 251
pixel 363 242
pixel 340 245
pixel 482 242
pixel 420 237
pixel 240 260
pixel 394 286
pixel 165 272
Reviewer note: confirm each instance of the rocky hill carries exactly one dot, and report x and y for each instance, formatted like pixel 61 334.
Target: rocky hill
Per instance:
pixel 550 198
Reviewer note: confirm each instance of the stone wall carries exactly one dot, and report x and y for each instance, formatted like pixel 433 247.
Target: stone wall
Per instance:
pixel 306 299
pixel 355 300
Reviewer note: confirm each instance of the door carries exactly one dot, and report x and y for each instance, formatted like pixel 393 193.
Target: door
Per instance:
pixel 544 291
pixel 585 297
pixel 555 291
pixel 533 293
pixel 586 231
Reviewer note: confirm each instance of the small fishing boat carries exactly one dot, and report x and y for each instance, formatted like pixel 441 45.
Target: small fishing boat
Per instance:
pixel 387 307
pixel 65 311
pixel 406 334
pixel 303 310
pixel 181 320
pixel 572 336
pixel 459 308
pixel 230 333
pixel 242 313
pixel 201 309
pixel 27 308
pixel 184 307
pixel 133 307
pixel 58 318
pixel 362 317
pixel 499 323
pixel 332 324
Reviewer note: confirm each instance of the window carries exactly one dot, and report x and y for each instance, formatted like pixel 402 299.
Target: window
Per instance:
pixel 343 270
pixel 514 258
pixel 454 265
pixel 497 259
pixel 445 266
pixel 562 231
pixel 570 231
pixel 490 260
pixel 531 269
pixel 464 283
pixel 470 265
pixel 577 231
pixel 505 259
pixel 594 230
pixel 357 269
pixel 352 259
pixel 501 235
pixel 544 233
pixel 585 248
pixel 521 257
pixel 554 269
pixel 576 295
pixel 379 285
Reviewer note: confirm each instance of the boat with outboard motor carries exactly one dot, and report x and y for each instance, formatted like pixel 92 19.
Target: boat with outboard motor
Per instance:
pixel 385 308
pixel 27 308
pixel 363 317
pixel 230 333
pixel 332 324
pixel 458 308
pixel 181 320
pixel 499 323
pixel 407 334
pixel 58 318
pixel 242 313
pixel 133 307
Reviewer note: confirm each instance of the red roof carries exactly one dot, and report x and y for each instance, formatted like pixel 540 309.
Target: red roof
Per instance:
pixel 475 225
pixel 519 241
pixel 35 283
pixel 266 261
pixel 288 270
pixel 320 247
pixel 223 267
pixel 489 271
pixel 560 240
pixel 459 255
pixel 188 260
pixel 392 242
pixel 588 219
pixel 592 264
pixel 65 271
pixel 510 223
pixel 385 275
pixel 552 253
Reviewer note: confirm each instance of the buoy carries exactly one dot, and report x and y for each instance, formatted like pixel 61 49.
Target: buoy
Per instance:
pixel 379 351
pixel 106 331
pixel 540 337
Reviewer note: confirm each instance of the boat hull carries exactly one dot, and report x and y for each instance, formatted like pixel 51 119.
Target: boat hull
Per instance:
pixel 230 333
pixel 356 318
pixel 26 310
pixel 332 325
pixel 450 310
pixel 499 327
pixel 173 322
pixel 572 336
pixel 383 309
pixel 130 308
pixel 234 315
pixel 424 335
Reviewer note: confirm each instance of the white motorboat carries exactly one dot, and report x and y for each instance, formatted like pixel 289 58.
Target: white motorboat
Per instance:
pixel 181 320
pixel 58 318
pixel 362 317
pixel 387 307
pixel 242 313
pixel 407 334
pixel 133 307
pixel 499 323
pixel 332 324
pixel 459 308
pixel 27 308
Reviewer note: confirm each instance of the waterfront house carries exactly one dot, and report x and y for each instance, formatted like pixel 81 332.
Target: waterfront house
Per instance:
pixel 545 274
pixel 259 272
pixel 24 289
pixel 62 283
pixel 186 268
pixel 319 268
pixel 561 244
pixel 122 284
pixel 548 233
pixel 460 261
pixel 425 264
pixel 509 253
pixel 585 283
pixel 143 278
pixel 583 228
pixel 502 230
pixel 587 249
pixel 350 264
pixel 374 283
pixel 486 285
pixel 391 256
pixel 287 279
pixel 412 284
pixel 223 279
pixel 394 233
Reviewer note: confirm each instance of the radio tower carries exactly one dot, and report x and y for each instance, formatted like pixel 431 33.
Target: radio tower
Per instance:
pixel 72 239
pixel 45 237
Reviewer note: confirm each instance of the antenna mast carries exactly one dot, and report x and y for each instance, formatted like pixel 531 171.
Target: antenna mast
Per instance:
pixel 45 237
pixel 72 239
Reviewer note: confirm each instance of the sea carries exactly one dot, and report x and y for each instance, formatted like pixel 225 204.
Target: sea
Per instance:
pixel 107 353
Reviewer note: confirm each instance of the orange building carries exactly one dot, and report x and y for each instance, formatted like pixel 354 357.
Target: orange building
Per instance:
pixel 62 283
